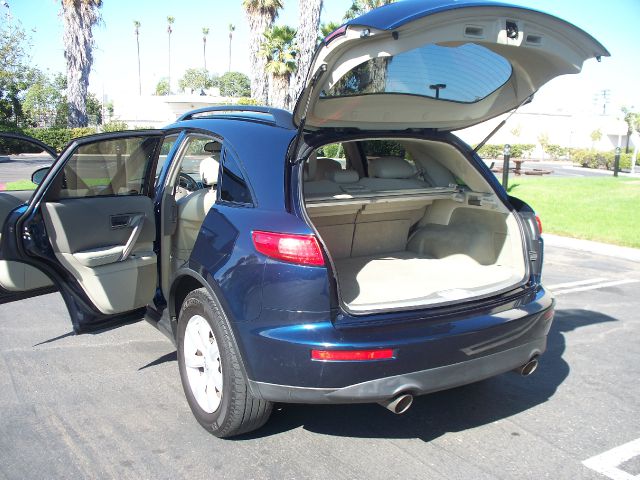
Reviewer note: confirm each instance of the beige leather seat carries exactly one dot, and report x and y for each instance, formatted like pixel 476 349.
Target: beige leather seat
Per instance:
pixel 392 173
pixel 192 210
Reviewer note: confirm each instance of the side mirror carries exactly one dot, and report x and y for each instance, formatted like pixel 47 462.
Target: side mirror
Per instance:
pixel 38 176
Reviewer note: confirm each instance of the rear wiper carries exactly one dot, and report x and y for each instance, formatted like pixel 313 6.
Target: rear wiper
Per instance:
pixel 501 124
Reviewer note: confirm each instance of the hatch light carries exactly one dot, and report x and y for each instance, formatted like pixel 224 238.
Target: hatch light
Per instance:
pixel 539 222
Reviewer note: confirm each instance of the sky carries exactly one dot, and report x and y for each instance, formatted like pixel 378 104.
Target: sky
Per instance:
pixel 114 75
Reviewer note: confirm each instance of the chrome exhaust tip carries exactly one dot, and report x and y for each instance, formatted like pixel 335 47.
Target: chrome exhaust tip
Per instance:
pixel 398 404
pixel 528 368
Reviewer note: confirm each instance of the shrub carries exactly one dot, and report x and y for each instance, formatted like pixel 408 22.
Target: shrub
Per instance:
pixel 491 151
pixel 556 151
pixel 58 138
pixel 603 160
pixel 247 101
pixel 521 150
pixel 114 126
pixel 518 150
pixel 333 150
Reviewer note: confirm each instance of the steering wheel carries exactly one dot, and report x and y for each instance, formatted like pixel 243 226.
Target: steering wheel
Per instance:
pixel 187 182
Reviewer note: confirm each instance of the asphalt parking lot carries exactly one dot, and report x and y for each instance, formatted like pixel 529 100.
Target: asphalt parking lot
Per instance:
pixel 111 404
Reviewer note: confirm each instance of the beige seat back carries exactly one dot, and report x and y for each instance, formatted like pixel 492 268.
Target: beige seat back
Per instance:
pixel 193 209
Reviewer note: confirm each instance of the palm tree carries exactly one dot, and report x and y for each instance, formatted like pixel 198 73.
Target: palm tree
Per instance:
pixel 205 32
pixel 377 70
pixel 136 25
pixel 170 21
pixel 279 51
pixel 79 17
pixel 328 28
pixel 261 14
pixel 360 7
pixel 307 39
pixel 232 28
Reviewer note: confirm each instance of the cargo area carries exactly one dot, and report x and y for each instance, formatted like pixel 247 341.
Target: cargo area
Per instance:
pixel 406 233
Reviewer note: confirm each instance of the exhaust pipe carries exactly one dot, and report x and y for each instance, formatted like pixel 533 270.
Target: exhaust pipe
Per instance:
pixel 398 404
pixel 528 368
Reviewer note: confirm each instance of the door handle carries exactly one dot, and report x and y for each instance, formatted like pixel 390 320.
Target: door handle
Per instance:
pixel 136 221
pixel 120 221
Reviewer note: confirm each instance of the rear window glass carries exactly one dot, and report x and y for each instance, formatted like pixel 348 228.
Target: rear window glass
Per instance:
pixel 466 73
pixel 234 187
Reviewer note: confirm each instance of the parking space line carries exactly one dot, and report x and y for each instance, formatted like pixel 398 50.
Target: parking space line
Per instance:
pixel 596 286
pixel 607 463
pixel 576 284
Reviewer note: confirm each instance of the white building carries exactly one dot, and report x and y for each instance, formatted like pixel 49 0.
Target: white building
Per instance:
pixel 154 111
pixel 564 129
pixel 527 126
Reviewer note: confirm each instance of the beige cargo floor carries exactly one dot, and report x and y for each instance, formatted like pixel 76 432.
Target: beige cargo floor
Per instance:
pixel 403 279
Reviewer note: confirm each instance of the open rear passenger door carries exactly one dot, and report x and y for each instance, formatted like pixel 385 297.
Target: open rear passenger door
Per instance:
pixel 90 226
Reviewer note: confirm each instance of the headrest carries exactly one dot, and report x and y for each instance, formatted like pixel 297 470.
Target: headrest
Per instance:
pixel 343 176
pixel 326 166
pixel 209 171
pixel 310 167
pixel 391 167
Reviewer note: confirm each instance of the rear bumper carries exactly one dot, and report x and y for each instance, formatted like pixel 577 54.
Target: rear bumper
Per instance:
pixel 431 354
pixel 416 383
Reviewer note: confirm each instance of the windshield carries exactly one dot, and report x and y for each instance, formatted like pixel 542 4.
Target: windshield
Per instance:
pixel 466 73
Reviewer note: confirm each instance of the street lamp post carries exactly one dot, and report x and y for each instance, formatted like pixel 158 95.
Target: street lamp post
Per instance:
pixel 616 162
pixel 505 166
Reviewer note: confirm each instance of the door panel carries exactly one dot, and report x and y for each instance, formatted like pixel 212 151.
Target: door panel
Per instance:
pixel 89 237
pixel 20 156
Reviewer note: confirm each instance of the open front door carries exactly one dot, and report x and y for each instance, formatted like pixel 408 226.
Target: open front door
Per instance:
pixel 20 157
pixel 90 226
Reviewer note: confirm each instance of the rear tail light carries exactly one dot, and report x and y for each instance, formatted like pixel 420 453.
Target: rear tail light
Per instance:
pixel 302 249
pixel 352 355
pixel 539 222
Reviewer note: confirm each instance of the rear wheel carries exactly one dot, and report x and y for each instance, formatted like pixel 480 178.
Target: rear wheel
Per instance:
pixel 211 371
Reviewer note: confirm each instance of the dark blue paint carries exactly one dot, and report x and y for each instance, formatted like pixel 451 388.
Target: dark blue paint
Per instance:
pixel 279 311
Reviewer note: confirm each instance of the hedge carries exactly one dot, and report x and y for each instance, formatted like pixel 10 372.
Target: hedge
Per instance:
pixel 518 150
pixel 603 160
pixel 58 138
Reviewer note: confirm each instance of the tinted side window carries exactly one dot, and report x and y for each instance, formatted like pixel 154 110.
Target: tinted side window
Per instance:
pixel 233 187
pixel 109 167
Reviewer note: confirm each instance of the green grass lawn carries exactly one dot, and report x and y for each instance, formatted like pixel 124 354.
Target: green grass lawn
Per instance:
pixel 602 209
pixel 20 185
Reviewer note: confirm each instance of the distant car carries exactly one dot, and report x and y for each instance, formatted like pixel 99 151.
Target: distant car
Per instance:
pixel 353 251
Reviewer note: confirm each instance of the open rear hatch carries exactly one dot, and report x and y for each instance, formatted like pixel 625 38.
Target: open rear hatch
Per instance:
pixel 425 227
pixel 443 65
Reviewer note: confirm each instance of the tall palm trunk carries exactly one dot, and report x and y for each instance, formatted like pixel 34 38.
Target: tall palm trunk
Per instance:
pixel 279 95
pixel 79 17
pixel 137 27
pixel 204 51
pixel 307 38
pixel 232 29
pixel 205 32
pixel 259 22
pixel 170 21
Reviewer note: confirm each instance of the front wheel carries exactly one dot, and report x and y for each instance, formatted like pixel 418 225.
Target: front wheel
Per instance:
pixel 210 368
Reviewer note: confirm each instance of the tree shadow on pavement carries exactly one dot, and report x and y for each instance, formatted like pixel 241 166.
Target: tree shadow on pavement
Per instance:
pixel 453 410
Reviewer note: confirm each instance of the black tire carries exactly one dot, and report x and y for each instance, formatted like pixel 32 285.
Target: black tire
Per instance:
pixel 239 412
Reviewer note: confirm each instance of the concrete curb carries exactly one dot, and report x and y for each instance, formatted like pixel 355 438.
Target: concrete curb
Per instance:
pixel 605 249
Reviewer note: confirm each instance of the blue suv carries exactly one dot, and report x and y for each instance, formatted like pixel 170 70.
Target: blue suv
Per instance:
pixel 354 250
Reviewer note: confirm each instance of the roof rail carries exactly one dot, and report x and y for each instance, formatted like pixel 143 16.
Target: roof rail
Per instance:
pixel 281 118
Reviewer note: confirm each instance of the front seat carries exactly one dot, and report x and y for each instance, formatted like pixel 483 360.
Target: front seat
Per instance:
pixel 193 208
